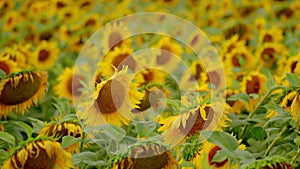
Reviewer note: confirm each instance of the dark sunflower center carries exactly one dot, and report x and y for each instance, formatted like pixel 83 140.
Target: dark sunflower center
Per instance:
pixel 165 55
pixel 268 38
pixel 75 85
pixel 148 76
pixel 90 22
pixel 114 39
pixel 214 78
pixel 41 161
pixel 43 55
pixel 253 86
pixel 268 54
pixel 211 155
pixel 293 66
pixel 107 101
pixel 153 161
pixel 4 67
pixel 26 89
pixel 125 59
pixel 230 48
pixel 196 123
pixel 235 60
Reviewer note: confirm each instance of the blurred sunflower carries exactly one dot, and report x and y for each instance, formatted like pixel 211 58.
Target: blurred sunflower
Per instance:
pixel 270 53
pixel 148 156
pixel 7 65
pixel 110 104
pixel 45 55
pixel 20 90
pixel 254 82
pixel 39 153
pixel 239 57
pixel 230 44
pixel 117 58
pixel 17 55
pixel 274 35
pixel 293 65
pixel 151 76
pixel 115 35
pixel 59 130
pixel 168 49
pixel 11 21
pixel 66 84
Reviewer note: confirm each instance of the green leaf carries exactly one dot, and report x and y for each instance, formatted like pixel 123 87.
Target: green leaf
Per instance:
pixel 274 107
pixel 2 74
pixel 271 81
pixel 259 133
pixel 59 108
pixel 222 139
pixel 25 126
pixel 88 158
pixel 113 132
pixel 69 140
pixel 240 96
pixel 297 140
pixel 245 156
pixel 37 124
pixel 187 164
pixel 7 137
pixel 221 156
pixel 293 79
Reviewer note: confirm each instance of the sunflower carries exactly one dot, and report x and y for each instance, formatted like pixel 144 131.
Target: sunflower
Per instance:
pixel 191 122
pixel 271 35
pixel 117 58
pixel 254 82
pixel 110 103
pixel 39 153
pixel 7 65
pixel 20 90
pixel 114 35
pixel 151 76
pixel 45 55
pixel 231 44
pixel 148 156
pixel 260 23
pixel 293 65
pixel 207 153
pixel 168 49
pixel 11 21
pixel 59 130
pixel 270 53
pixel 66 85
pixel 20 54
pixel 240 57
pixel 197 72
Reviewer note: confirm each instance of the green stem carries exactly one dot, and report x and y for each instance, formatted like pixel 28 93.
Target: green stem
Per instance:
pixel 276 138
pixel 259 104
pixel 295 157
pixel 82 142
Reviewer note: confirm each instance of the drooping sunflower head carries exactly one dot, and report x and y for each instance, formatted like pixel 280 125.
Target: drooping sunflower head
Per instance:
pixel 59 130
pixel 45 55
pixel 39 153
pixel 115 35
pixel 19 91
pixel 148 156
pixel 68 84
pixel 113 101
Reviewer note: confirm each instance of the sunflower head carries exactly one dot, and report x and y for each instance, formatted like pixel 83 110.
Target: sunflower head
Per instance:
pixel 45 55
pixel 148 156
pixel 254 82
pixel 59 130
pixel 41 152
pixel 20 90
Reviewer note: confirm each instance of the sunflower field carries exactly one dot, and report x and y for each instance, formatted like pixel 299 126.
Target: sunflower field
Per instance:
pixel 153 84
